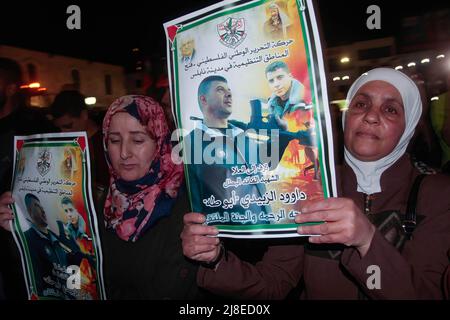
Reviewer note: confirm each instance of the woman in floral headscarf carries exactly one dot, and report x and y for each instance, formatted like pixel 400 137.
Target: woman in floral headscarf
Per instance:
pixel 144 209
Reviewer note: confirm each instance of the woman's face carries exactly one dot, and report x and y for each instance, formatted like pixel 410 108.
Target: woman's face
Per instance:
pixel 375 121
pixel 130 148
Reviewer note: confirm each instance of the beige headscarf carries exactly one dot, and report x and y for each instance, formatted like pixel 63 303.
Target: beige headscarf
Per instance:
pixel 368 174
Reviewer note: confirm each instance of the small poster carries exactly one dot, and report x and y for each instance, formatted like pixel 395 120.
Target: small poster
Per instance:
pixel 55 225
pixel 249 96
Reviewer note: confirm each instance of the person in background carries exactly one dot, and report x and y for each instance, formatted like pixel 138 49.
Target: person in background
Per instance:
pixel 424 146
pixel 440 118
pixel 70 114
pixel 16 118
pixel 160 91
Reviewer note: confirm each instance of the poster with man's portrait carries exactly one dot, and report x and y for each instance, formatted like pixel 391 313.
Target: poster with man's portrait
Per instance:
pixel 55 225
pixel 252 114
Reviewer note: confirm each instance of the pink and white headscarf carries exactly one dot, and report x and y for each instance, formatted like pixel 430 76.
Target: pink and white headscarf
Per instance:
pixel 133 207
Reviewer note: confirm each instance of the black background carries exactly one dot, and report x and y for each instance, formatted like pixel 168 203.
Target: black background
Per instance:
pixel 109 30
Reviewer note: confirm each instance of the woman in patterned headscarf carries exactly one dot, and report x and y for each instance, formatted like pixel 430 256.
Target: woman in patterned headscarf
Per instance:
pixel 144 207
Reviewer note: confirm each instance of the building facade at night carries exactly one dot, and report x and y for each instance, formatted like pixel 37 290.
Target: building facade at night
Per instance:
pixel 431 65
pixel 421 49
pixel 54 73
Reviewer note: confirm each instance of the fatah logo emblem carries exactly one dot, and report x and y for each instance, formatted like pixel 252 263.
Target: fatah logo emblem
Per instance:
pixel 44 161
pixel 232 32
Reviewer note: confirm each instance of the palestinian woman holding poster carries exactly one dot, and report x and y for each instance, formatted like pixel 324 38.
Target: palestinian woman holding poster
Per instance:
pixel 375 243
pixel 139 221
pixel 144 207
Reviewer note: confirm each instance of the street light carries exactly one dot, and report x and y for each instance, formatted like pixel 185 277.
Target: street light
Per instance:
pixel 434 98
pixel 426 60
pixel 441 56
pixel 336 78
pixel 345 78
pixel 90 101
pixel 399 68
pixel 34 85
pixel 345 60
pixel 411 64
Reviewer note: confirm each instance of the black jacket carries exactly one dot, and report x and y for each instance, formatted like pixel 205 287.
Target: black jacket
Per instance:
pixel 23 121
pixel 154 266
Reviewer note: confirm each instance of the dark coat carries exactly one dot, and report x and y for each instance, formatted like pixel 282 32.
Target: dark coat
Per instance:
pixel 23 121
pixel 337 272
pixel 154 266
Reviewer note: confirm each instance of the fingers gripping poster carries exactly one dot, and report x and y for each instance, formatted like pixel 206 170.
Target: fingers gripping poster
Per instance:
pixel 249 97
pixel 55 226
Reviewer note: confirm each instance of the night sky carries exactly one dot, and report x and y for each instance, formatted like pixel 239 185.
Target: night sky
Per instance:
pixel 109 30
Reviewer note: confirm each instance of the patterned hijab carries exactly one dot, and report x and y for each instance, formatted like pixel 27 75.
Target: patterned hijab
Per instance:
pixel 368 174
pixel 133 207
